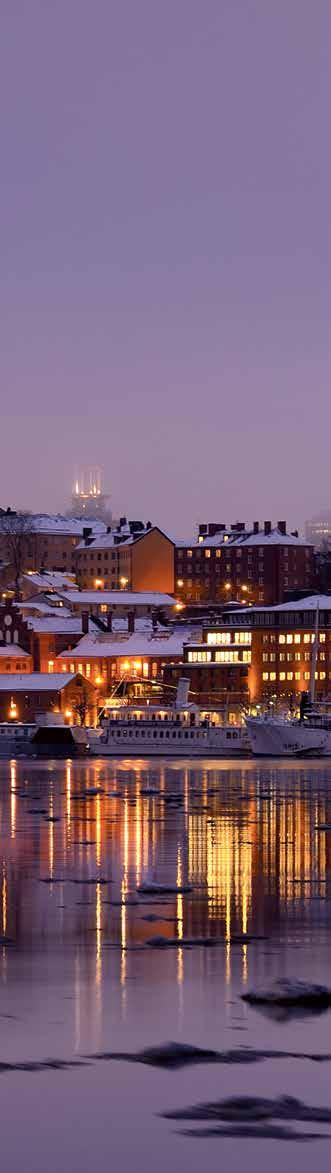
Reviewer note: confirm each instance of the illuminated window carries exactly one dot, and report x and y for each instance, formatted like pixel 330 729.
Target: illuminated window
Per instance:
pixel 226 657
pixel 290 675
pixel 265 639
pixel 307 656
pixel 272 676
pixel 207 553
pixel 307 675
pixel 80 669
pixel 199 657
pixel 297 656
pixel 322 637
pixel 103 607
pixel 180 582
pixel 265 675
pixel 72 667
pixel 243 637
pixel 265 657
pixel 218 637
pixel 282 676
pixel 218 553
pixel 281 639
pixel 272 657
pixel 282 657
pixel 189 553
pixel 247 656
pixel 322 655
pixel 297 638
pixel 87 669
pixel 306 638
pixel 51 665
pixel 289 639
pixel 297 675
pixel 322 675
pixel 145 668
pixel 64 668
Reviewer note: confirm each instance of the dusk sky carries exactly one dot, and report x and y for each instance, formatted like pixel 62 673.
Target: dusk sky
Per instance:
pixel 165 265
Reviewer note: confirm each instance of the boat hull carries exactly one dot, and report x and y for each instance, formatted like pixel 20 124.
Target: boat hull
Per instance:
pixel 272 738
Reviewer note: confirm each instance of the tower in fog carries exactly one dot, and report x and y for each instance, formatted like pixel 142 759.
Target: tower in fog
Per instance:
pixel 87 498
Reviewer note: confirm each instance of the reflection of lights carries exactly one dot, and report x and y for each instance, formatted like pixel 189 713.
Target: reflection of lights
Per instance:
pixel 98 831
pixel 12 799
pixel 68 794
pixel 51 839
pixel 4 899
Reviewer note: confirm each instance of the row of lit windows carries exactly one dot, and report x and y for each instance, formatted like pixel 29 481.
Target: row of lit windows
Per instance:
pixel 225 637
pixel 227 656
pixel 293 676
pixel 308 638
pixel 289 656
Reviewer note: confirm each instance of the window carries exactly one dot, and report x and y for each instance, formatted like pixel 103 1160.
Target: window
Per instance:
pixel 282 676
pixel 289 639
pixel 307 675
pixel 306 638
pixel 72 667
pixel 322 637
pixel 281 639
pixel 51 665
pixel 189 553
pixel 242 637
pixel 297 675
pixel 282 657
pixel 226 657
pixel 265 639
pixel 265 675
pixel 290 675
pixel 297 656
pixel 297 638
pixel 265 657
pixel 322 675
pixel 218 637
pixel 272 676
pixel 218 553
pixel 207 553
pixel 272 657
pixel 199 657
pixel 247 656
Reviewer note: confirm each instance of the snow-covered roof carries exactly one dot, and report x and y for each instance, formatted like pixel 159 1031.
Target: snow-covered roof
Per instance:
pixel 45 523
pixel 120 598
pixel 137 644
pixel 35 681
pixel 49 580
pixel 59 624
pixel 30 605
pixel 8 650
pixel 308 603
pixel 117 539
pixel 228 538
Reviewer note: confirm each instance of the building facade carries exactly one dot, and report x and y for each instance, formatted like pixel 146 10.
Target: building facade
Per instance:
pixel 141 560
pixel 259 566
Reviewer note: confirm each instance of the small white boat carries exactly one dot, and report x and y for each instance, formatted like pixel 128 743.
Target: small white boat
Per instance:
pixel 178 730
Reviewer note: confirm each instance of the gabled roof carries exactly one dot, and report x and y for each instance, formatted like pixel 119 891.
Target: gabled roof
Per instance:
pixel 35 681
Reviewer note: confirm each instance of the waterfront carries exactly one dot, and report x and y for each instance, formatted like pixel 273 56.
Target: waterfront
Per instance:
pixel 80 978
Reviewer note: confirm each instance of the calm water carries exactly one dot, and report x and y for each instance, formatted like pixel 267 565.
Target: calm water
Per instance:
pixel 80 979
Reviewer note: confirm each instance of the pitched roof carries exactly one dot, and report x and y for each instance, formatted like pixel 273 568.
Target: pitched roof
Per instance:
pixel 35 681
pixel 102 646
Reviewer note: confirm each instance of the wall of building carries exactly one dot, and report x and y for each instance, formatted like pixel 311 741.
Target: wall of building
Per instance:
pixel 247 573
pixel 152 563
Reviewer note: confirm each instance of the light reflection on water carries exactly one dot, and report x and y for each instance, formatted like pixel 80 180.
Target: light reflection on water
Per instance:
pixel 80 977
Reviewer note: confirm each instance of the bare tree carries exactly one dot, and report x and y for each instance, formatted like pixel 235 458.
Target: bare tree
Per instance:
pixel 15 531
pixel 81 706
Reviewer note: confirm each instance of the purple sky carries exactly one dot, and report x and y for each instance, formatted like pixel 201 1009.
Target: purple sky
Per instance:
pixel 165 269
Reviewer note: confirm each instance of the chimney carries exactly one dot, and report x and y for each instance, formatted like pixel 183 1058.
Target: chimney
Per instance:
pixel 87 534
pixel 267 527
pixel 85 622
pixel 282 527
pixel 256 527
pixel 110 621
pixel 131 621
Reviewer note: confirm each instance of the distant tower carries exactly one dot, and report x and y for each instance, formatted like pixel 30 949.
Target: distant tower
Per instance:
pixel 87 498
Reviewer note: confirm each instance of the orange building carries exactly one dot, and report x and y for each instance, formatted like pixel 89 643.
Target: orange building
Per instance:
pixel 140 561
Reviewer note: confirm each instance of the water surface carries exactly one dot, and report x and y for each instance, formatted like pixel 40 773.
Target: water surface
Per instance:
pixel 80 978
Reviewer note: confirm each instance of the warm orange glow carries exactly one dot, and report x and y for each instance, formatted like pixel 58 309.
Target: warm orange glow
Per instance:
pixel 12 713
pixel 137 665
pixel 124 581
pixel 50 665
pixel 126 666
pixel 98 680
pixel 68 713
pixel 244 587
pixel 180 582
pixel 98 582
pixel 179 606
pixel 227 586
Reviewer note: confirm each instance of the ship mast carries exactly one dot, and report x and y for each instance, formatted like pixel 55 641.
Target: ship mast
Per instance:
pixel 314 658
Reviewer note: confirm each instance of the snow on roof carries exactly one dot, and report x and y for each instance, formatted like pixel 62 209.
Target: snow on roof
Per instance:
pixel 48 524
pixel 60 624
pixel 229 538
pixel 118 538
pixel 137 644
pixel 30 605
pixel 35 681
pixel 49 580
pixel 8 650
pixel 308 603
pixel 120 598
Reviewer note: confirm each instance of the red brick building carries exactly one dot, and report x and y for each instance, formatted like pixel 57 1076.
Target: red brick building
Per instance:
pixel 259 566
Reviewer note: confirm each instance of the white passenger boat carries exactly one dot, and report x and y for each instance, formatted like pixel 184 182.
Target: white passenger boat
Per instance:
pixel 179 730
